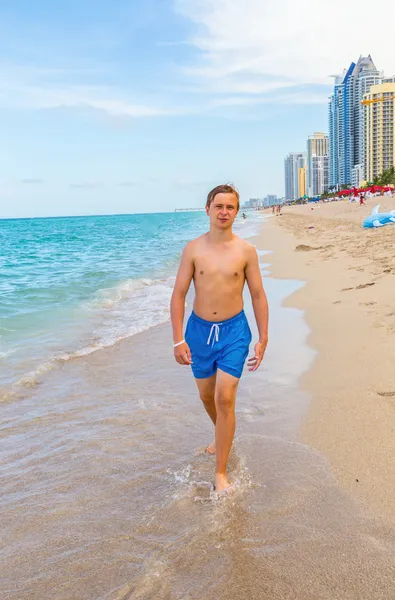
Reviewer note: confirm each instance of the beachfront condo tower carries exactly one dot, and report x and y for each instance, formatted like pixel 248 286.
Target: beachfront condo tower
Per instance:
pixel 317 146
pixel 302 182
pixel 319 175
pixel 346 120
pixel 293 162
pixel 379 127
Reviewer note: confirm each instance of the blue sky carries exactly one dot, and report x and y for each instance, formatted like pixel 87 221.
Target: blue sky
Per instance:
pixel 144 105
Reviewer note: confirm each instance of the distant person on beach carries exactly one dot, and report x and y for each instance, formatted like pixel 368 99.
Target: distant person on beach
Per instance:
pixel 244 215
pixel 218 336
pixel 361 200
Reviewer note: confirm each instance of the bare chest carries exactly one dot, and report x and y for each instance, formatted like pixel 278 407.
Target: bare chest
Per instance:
pixel 225 267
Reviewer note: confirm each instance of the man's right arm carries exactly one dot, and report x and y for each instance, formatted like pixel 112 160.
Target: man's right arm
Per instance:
pixel 177 306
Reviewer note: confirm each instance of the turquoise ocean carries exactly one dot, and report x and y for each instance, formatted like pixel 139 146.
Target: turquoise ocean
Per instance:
pixel 71 286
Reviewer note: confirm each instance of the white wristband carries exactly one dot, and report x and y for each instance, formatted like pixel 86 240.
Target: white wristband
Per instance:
pixel 179 344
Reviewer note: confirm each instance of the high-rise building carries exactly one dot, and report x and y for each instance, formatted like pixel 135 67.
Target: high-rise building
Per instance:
pixel 357 176
pixel 293 162
pixel 379 125
pixel 251 203
pixel 340 129
pixel 317 145
pixel 302 182
pixel 346 122
pixel 335 112
pixel 366 76
pixel 271 200
pixel 319 175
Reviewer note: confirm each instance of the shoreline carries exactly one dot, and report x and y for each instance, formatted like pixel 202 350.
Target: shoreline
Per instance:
pixel 348 301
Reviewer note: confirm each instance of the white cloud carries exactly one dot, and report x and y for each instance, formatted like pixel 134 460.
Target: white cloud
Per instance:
pixel 246 53
pixel 295 97
pixel 118 108
pixel 245 44
pixel 26 94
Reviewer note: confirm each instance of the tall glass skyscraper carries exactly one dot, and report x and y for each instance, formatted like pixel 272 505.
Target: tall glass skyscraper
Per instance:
pixel 292 163
pixel 346 123
pixel 335 123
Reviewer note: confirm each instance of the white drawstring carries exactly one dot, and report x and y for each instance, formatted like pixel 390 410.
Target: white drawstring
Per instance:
pixel 214 330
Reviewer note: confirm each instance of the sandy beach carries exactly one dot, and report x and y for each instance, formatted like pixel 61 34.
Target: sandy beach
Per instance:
pixel 349 299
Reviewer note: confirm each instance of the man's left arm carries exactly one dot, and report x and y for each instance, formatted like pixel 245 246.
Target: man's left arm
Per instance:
pixel 260 306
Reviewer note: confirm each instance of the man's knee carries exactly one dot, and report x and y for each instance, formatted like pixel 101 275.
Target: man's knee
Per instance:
pixel 207 398
pixel 225 402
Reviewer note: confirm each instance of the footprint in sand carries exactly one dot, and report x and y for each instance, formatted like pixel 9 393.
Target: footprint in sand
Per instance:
pixel 304 248
pixel 347 289
pixel 364 285
pixel 387 394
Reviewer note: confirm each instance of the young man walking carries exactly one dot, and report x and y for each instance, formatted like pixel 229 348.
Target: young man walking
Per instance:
pixel 218 336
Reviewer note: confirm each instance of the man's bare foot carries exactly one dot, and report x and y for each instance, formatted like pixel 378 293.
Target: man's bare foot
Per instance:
pixel 210 449
pixel 222 483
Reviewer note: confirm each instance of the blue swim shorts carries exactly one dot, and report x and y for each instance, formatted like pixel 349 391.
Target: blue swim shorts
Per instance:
pixel 218 345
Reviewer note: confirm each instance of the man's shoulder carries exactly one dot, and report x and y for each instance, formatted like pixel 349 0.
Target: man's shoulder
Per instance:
pixel 244 245
pixel 195 243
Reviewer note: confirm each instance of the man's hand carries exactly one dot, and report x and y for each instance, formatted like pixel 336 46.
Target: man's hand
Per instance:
pixel 183 355
pixel 254 363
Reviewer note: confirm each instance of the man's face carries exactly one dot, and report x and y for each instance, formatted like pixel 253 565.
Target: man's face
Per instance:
pixel 223 210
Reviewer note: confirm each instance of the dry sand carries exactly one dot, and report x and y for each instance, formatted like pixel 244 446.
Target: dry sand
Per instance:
pixel 349 301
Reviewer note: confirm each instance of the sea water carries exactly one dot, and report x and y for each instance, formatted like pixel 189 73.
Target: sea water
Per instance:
pixel 71 286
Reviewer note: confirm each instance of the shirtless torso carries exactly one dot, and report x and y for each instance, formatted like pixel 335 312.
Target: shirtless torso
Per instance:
pixel 219 277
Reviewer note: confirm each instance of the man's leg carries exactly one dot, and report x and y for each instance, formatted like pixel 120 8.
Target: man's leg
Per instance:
pixel 225 398
pixel 206 389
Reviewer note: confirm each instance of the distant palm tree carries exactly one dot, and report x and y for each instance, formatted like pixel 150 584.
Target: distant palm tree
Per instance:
pixel 387 177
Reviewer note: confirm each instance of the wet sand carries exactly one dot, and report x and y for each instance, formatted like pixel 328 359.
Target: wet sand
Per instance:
pixel 349 301
pixel 104 495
